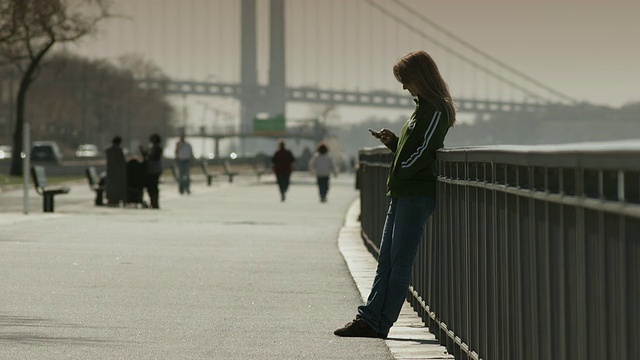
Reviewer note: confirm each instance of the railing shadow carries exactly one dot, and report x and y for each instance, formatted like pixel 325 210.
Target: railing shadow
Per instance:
pixel 28 334
pixel 416 341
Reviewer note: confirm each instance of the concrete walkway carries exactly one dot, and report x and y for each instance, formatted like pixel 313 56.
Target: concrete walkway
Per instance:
pixel 229 272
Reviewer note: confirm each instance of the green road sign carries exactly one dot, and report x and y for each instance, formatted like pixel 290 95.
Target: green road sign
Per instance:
pixel 270 126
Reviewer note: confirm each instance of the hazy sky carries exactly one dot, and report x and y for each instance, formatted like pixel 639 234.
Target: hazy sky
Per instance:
pixel 587 49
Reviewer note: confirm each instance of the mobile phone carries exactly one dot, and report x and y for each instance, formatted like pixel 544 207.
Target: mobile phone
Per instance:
pixel 374 133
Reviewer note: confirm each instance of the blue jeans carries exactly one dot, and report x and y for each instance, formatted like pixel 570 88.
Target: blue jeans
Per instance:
pixel 183 176
pixel 401 236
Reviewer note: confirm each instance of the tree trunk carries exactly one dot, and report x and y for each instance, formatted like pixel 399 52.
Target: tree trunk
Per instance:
pixel 18 146
pixel 27 79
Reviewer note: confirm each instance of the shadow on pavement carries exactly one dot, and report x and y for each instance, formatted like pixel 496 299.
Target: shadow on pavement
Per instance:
pixel 34 338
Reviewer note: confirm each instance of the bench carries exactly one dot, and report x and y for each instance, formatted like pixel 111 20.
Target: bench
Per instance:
pixel 205 170
pixel 260 169
pixel 42 188
pixel 227 170
pixel 96 184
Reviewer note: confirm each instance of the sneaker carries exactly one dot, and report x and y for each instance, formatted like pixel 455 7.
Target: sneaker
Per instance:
pixel 357 328
pixel 382 335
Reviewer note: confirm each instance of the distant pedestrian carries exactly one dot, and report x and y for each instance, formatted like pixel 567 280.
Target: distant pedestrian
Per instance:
pixel 411 185
pixel 116 181
pixel 282 162
pixel 184 153
pixel 322 166
pixel 153 160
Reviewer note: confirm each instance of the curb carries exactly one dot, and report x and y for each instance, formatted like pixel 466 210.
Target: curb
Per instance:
pixel 409 338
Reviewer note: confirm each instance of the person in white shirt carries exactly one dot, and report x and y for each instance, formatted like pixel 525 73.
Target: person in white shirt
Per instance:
pixel 184 153
pixel 322 166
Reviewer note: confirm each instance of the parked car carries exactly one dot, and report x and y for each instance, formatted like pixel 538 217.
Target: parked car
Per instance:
pixel 5 152
pixel 87 150
pixel 46 151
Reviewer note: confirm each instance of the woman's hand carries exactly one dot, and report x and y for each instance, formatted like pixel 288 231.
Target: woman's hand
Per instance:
pixel 386 136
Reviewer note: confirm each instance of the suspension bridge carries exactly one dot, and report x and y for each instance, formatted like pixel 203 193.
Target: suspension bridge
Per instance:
pixel 266 54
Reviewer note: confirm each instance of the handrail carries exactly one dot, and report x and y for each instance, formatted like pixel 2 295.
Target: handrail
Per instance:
pixel 533 253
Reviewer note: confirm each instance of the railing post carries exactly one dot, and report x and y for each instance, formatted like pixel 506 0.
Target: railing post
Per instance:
pixel 26 165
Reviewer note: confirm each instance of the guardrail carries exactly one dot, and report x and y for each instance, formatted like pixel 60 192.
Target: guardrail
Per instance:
pixel 533 253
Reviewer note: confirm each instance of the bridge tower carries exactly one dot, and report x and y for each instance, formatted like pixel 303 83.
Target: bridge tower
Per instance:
pixel 250 97
pixel 277 84
pixel 253 100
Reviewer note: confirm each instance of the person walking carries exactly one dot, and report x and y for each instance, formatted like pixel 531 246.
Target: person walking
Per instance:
pixel 116 181
pixel 411 186
pixel 282 162
pixel 153 160
pixel 184 153
pixel 322 166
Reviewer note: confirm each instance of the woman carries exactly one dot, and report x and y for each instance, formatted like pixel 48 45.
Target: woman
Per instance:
pixel 411 186
pixel 322 166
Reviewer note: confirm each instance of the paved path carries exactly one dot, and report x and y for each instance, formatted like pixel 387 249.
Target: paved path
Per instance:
pixel 229 272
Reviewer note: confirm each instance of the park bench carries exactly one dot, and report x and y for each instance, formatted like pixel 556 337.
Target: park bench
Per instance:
pixel 205 170
pixel 260 169
pixel 227 170
pixel 96 184
pixel 42 188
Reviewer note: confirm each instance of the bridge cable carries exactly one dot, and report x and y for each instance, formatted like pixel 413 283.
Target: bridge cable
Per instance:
pixel 343 47
pixel 220 58
pixel 181 44
pixel 305 35
pixel 192 35
pixel 206 53
pixel 484 54
pixel 164 31
pixel 398 39
pixel 371 46
pixel 450 50
pixel 331 22
pixel 358 44
pixel 317 57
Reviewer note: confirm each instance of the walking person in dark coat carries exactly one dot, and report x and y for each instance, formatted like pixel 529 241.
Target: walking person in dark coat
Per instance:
pixel 153 159
pixel 116 174
pixel 282 162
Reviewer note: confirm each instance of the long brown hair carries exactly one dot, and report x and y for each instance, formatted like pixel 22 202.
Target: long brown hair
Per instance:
pixel 419 69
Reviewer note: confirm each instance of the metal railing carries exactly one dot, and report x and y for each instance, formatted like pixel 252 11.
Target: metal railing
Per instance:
pixel 533 253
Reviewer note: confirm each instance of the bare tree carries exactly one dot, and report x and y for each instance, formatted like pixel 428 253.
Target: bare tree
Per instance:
pixel 8 24
pixel 81 100
pixel 28 30
pixel 141 68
